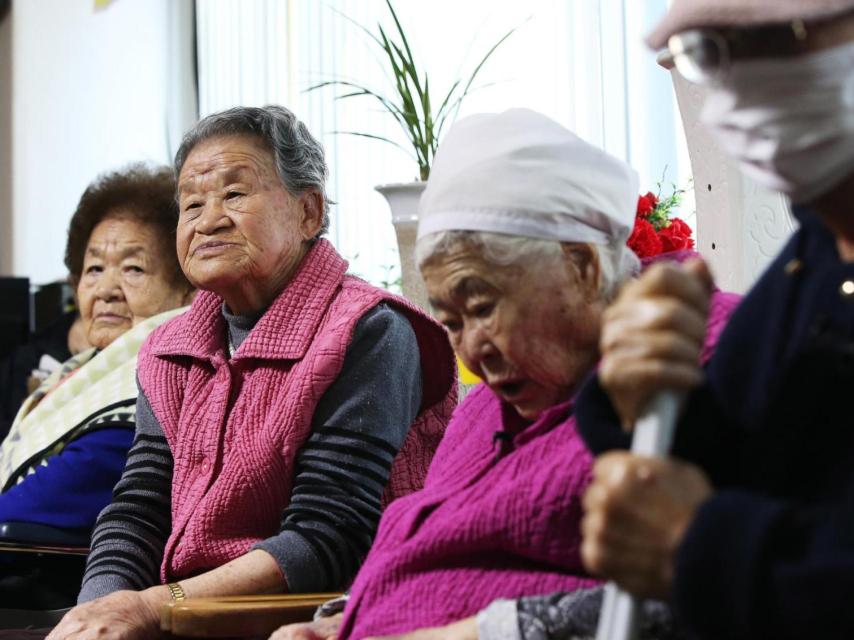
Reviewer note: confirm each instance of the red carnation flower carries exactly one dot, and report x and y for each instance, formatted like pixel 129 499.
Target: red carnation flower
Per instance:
pixel 644 240
pixel 676 236
pixel 647 204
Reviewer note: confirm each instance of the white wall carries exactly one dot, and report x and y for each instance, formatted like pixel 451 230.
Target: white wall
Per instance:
pixel 90 93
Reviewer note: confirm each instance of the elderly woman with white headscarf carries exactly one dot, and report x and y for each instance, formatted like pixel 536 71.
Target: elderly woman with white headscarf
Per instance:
pixel 521 243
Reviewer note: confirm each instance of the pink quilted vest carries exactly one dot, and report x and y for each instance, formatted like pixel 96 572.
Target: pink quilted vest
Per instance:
pixel 235 425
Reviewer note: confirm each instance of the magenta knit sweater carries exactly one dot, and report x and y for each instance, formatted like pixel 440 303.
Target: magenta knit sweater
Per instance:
pixel 483 527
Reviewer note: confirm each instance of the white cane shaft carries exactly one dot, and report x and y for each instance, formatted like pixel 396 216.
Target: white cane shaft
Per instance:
pixel 654 429
pixel 620 616
pixel 606 613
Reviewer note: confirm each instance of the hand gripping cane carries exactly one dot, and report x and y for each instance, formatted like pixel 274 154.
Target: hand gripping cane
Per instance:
pixel 619 618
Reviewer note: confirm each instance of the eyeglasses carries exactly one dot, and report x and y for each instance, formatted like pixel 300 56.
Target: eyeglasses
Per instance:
pixel 701 57
pixel 704 56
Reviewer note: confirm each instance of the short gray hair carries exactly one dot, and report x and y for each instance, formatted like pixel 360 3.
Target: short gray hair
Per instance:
pixel 300 161
pixel 617 263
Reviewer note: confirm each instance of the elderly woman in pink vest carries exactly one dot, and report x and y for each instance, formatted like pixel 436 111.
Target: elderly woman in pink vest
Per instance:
pixel 522 243
pixel 280 412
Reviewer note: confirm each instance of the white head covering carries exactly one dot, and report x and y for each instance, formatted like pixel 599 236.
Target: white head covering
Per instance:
pixel 523 174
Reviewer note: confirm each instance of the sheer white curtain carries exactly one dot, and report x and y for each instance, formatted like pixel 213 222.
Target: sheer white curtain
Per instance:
pixel 582 62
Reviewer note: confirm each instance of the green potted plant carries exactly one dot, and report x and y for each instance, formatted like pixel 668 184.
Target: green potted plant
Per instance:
pixel 412 105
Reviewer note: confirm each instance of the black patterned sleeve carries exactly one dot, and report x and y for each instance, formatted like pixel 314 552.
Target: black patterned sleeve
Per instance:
pixel 568 616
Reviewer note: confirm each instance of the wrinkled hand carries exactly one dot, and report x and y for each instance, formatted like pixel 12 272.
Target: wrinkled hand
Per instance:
pixel 323 629
pixel 465 629
pixel 652 336
pixel 636 512
pixel 122 615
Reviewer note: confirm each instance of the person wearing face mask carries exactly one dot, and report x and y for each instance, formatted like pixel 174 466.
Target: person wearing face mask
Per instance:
pixel 749 529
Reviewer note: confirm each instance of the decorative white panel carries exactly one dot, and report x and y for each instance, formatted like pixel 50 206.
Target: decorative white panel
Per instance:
pixel 768 223
pixel 740 225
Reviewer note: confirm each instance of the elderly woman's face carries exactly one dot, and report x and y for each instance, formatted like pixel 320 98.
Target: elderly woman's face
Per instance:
pixel 239 228
pixel 124 280
pixel 531 333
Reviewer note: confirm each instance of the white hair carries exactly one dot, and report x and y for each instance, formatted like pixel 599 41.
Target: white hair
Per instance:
pixel 299 157
pixel 617 262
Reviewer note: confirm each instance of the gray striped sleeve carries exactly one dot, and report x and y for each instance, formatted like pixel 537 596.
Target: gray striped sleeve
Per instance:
pixel 131 532
pixel 359 425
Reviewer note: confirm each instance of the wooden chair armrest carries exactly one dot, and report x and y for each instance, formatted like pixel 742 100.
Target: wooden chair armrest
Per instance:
pixel 22 547
pixel 17 621
pixel 238 616
pixel 31 537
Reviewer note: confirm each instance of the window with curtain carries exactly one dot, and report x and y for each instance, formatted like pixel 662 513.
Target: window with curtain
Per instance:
pixel 581 62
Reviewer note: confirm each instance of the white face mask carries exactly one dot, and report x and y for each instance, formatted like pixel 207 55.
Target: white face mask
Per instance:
pixel 788 121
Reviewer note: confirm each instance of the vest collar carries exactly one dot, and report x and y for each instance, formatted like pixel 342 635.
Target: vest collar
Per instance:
pixel 287 327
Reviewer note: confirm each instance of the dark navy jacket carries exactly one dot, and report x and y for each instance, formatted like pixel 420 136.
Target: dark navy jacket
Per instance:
pixel 771 555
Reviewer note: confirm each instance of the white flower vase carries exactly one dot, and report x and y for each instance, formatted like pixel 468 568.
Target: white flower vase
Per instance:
pixel 403 200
